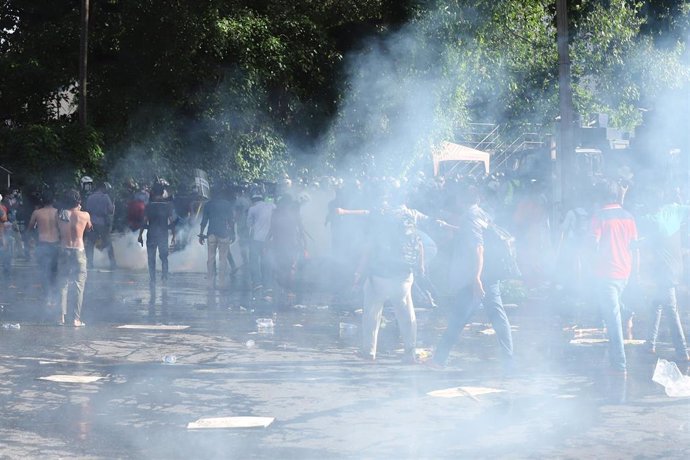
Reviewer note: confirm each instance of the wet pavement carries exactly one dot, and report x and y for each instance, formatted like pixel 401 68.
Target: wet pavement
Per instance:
pixel 559 401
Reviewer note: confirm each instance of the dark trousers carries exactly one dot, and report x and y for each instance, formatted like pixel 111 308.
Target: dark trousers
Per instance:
pixel 47 260
pixel 157 243
pixel 99 232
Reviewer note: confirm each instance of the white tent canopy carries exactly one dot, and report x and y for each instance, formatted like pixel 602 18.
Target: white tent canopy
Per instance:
pixel 447 151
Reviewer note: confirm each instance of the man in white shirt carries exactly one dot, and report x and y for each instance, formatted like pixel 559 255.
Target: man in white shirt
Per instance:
pixel 259 224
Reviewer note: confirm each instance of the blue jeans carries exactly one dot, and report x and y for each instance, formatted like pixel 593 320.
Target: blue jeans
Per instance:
pixel 47 259
pixel 465 306
pixel 665 301
pixel 609 293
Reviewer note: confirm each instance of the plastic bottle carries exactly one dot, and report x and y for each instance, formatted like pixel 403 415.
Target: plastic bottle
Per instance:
pixel 250 344
pixel 169 359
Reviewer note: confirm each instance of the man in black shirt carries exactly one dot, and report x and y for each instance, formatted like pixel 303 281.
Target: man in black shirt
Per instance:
pixel 158 218
pixel 218 215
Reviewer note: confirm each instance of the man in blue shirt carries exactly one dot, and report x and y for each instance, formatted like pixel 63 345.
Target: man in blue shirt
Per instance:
pixel 218 215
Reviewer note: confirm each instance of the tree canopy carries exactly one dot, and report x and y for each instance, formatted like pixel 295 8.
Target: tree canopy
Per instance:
pixel 245 89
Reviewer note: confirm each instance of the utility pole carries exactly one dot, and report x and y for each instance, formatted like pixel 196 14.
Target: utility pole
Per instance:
pixel 565 159
pixel 83 55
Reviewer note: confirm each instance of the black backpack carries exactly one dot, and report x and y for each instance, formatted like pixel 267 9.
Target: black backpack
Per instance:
pixel 500 255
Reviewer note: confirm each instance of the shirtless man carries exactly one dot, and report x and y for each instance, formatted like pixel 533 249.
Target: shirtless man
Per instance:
pixel 45 220
pixel 72 222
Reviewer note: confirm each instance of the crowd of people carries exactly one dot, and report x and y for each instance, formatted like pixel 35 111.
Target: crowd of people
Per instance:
pixel 398 243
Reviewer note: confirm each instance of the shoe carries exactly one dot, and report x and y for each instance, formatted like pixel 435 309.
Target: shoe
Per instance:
pixel 79 323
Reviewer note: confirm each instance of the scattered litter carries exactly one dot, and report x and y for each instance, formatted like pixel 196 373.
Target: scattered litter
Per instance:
pixel 242 308
pixel 669 376
pixel 594 341
pixel 265 325
pixel 169 359
pixel 488 331
pixel 566 396
pixel 322 307
pixel 11 326
pixel 299 307
pixel 359 311
pixel 231 422
pixel 72 378
pixel 250 344
pixel 297 325
pixel 510 305
pixel 153 327
pixel 471 392
pixel 424 353
pixel 347 329
pixel 588 341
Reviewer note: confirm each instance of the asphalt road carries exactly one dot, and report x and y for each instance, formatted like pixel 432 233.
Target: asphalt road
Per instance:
pixel 327 403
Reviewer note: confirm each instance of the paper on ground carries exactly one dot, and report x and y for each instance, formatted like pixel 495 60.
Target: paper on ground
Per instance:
pixel 231 422
pixel 71 378
pixel 456 392
pixel 669 376
pixel 153 327
pixel 588 341
pixel 488 331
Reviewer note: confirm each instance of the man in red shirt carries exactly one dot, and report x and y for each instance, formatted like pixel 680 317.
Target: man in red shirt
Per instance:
pixel 614 232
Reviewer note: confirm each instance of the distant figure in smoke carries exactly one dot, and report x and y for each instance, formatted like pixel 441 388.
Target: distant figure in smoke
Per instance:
pixel 48 246
pixel 101 208
pixel 286 243
pixel 5 237
pixel 158 220
pixel 136 207
pixel 476 279
pixel 218 215
pixel 242 204
pixel 393 253
pixel 661 246
pixel 72 222
pixel 614 232
pixel 259 223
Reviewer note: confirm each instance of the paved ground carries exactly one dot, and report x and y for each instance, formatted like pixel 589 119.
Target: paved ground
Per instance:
pixel 326 403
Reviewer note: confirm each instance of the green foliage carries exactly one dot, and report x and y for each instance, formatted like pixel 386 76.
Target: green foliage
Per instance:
pixel 50 153
pixel 239 87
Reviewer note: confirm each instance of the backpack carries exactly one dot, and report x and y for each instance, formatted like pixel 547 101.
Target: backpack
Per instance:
pixel 500 255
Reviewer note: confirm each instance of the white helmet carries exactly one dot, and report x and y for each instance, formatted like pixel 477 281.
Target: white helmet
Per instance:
pixel 86 180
